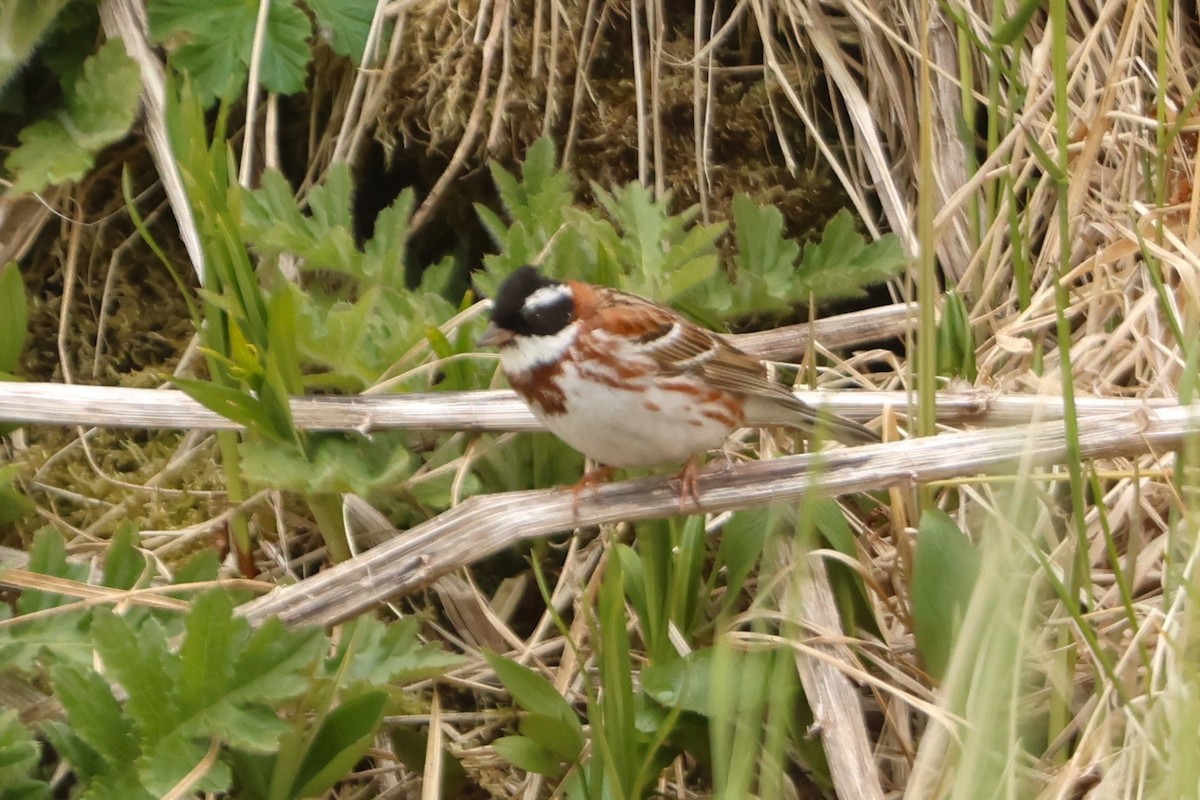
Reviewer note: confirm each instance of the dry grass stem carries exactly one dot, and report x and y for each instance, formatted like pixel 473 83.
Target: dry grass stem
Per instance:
pixel 484 525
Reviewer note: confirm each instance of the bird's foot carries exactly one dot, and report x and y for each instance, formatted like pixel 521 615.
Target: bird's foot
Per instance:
pixel 688 478
pixel 590 480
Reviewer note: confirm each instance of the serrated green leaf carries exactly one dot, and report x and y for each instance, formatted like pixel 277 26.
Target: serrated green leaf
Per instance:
pixel 212 638
pixel 123 564
pixel 343 738
pixel 337 465
pixel 945 569
pixel 48 155
pixel 169 760
pixel 13 504
pixel 85 762
pixel 843 264
pixel 48 556
pixel 383 254
pixel 329 202
pixel 274 662
pixel 140 660
pixel 250 727
pixel 285 52
pixel 219 35
pixel 524 753
pixel 14 317
pixel 94 713
pixel 388 654
pixel 201 567
pixel 98 110
pixel 62 638
pixel 19 753
pixel 345 24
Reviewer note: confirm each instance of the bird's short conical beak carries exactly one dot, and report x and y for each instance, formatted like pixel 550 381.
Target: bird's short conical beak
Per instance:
pixel 495 337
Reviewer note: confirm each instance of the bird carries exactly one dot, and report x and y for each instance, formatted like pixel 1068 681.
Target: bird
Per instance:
pixel 630 383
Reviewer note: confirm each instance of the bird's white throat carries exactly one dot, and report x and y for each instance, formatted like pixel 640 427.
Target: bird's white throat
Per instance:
pixel 529 352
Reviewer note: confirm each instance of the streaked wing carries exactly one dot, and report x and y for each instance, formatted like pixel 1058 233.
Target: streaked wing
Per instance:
pixel 675 346
pixel 678 346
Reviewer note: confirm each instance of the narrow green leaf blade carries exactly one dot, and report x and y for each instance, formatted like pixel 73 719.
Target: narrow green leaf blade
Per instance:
pixel 945 568
pixel 531 691
pixel 14 317
pixel 344 735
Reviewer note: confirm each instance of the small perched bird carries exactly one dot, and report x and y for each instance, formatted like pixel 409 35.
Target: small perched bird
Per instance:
pixel 629 383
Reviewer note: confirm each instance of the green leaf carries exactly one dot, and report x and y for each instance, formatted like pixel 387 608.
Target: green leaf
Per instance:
pixel 945 568
pixel 345 24
pixel 236 405
pixel 683 683
pixel 99 109
pixel 285 53
pixel 842 263
pixel 61 638
pixel 94 713
pixel 123 564
pixel 1014 26
pixel 343 738
pixel 19 757
pixel 524 753
pixel 48 556
pixel 14 317
pixel 13 504
pixel 141 661
pixel 212 638
pixel 337 464
pixel 388 654
pixel 742 545
pixel 25 22
pixel 530 690
pixel 219 35
pixel 554 735
pixel 273 664
pixel 955 339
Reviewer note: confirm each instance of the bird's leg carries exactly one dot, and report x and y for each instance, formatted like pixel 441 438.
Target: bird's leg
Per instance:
pixel 590 480
pixel 687 484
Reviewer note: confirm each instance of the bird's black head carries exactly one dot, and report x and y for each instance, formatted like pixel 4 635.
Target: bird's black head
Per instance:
pixel 530 304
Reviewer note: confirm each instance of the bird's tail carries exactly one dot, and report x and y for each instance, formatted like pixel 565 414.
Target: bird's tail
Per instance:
pixel 814 423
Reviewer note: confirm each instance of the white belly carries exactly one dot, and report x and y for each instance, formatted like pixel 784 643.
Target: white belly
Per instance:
pixel 625 428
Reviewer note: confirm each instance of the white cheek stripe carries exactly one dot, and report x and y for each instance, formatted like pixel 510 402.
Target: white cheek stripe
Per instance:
pixel 547 295
pixel 528 352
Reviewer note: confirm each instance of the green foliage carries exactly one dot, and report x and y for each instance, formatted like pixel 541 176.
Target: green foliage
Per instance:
pixel 13 504
pixel 956 340
pixel 14 319
pixel 19 757
pixel 550 733
pixel 214 40
pixel 290 719
pixel 23 23
pixel 356 316
pixel 945 568
pixel 841 263
pixel 345 24
pixel 98 109
pixel 634 242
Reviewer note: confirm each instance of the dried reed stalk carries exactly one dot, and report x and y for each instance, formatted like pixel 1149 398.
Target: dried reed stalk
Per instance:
pixel 484 525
